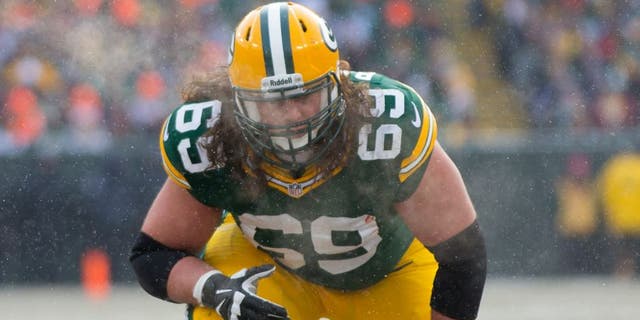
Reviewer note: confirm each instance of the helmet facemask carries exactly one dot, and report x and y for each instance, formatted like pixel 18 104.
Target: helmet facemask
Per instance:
pixel 295 144
pixel 282 58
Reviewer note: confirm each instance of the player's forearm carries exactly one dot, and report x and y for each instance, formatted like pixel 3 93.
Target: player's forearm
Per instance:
pixel 183 278
pixel 164 272
pixel 462 269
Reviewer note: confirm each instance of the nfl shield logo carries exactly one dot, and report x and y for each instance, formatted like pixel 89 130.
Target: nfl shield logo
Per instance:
pixel 295 190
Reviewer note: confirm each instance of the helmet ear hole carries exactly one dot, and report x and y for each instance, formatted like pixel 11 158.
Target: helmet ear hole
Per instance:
pixel 246 37
pixel 303 26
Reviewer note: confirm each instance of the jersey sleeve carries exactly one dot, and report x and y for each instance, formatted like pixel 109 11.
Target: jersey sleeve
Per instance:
pixel 423 138
pixel 403 133
pixel 420 138
pixel 183 157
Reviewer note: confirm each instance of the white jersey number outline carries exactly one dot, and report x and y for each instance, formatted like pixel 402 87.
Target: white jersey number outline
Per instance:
pixel 185 124
pixel 385 131
pixel 321 230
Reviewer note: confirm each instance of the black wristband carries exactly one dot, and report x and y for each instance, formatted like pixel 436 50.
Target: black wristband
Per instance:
pixel 462 270
pixel 152 262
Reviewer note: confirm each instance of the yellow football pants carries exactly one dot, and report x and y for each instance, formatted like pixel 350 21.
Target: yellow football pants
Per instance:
pixel 403 294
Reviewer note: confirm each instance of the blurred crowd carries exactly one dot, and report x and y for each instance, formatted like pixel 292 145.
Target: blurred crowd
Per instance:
pixel 78 74
pixel 575 63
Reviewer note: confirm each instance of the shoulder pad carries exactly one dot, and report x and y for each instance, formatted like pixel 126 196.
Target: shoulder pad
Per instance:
pixel 182 154
pixel 403 127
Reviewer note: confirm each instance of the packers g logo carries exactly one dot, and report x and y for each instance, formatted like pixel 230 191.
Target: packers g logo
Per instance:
pixel 328 36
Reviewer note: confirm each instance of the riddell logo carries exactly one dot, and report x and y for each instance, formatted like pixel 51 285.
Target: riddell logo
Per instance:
pixel 281 81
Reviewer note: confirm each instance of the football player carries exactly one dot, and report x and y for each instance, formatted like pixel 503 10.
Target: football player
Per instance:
pixel 328 192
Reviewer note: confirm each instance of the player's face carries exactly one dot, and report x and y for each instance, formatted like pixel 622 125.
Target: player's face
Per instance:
pixel 289 111
pixel 295 124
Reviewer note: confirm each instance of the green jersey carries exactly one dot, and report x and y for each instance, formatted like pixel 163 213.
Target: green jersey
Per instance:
pixel 340 231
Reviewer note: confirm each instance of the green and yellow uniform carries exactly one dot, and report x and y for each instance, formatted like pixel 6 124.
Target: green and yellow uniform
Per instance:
pixel 337 239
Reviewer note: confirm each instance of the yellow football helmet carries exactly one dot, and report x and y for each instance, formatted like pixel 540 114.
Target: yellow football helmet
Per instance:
pixel 281 52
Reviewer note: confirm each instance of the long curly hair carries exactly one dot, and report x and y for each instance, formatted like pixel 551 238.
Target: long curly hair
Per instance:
pixel 226 146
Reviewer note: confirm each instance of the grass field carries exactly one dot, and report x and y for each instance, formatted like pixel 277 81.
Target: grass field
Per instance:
pixel 519 299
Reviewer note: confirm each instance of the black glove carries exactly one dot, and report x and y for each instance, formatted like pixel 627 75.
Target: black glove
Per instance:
pixel 234 298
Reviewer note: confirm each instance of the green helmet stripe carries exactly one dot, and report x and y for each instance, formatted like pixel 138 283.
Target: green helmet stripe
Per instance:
pixel 276 40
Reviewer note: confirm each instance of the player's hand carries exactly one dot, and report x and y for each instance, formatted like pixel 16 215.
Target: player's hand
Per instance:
pixel 234 298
